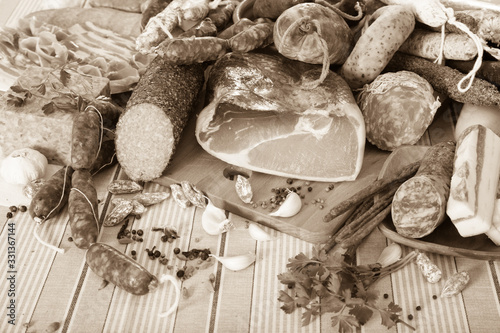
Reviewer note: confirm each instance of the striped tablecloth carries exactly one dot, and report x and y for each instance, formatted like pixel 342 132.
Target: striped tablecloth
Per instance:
pixel 59 290
pixel 51 287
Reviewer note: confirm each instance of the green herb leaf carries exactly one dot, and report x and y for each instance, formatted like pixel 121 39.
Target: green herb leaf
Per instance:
pixel 15 100
pixel 332 303
pixel 65 102
pixel 48 108
pixel 299 262
pixel 287 278
pixel 41 88
pixel 288 302
pixel 18 89
pixel 346 324
pixel 64 77
pixel 362 313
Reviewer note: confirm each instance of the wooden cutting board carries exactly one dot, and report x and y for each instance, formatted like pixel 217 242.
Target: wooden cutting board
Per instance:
pixel 194 164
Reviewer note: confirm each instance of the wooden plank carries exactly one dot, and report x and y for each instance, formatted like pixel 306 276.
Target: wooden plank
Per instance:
pixel 198 295
pixel 235 288
pixel 479 297
pixel 116 310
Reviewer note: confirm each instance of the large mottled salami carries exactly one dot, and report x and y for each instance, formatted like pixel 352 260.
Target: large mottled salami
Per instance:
pixel 419 204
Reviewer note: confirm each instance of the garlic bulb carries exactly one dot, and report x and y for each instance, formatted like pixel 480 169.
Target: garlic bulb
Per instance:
pixel 214 221
pixel 258 233
pixel 290 207
pixel 23 166
pixel 236 263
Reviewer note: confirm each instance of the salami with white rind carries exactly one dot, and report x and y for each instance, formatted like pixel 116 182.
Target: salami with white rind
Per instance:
pixel 419 204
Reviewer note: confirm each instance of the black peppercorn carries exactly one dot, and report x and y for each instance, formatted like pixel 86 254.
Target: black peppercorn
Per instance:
pixel 23 208
pixel 180 273
pixel 177 250
pixel 140 232
pixel 164 238
pixel 418 308
pixel 13 209
pixel 133 252
pixel 9 215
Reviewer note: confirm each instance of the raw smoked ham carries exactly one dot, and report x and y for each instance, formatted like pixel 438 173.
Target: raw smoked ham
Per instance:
pixel 261 117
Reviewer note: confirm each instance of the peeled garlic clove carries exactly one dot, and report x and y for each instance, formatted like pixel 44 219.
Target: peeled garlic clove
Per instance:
pixel 214 221
pixel 258 233
pixel 390 255
pixel 290 207
pixel 236 263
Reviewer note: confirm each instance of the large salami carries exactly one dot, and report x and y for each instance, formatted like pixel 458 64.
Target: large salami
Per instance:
pixel 419 204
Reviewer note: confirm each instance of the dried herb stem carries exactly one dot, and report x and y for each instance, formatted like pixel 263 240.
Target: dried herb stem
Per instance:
pixel 376 187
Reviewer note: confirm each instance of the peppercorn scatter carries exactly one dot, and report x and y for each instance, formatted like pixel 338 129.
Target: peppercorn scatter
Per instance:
pixel 192 254
pixel 153 254
pixel 127 236
pixel 14 209
pixel 279 194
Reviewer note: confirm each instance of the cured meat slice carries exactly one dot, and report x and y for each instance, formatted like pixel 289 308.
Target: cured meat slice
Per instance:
pixel 262 117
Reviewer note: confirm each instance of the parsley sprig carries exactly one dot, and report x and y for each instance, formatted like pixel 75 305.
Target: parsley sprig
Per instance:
pixel 327 283
pixel 58 81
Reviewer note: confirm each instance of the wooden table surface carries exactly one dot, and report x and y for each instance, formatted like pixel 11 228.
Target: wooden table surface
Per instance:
pixel 52 287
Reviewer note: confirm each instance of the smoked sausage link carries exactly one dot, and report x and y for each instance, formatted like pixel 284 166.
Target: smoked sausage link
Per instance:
pixel 419 204
pixel 82 209
pixel 119 269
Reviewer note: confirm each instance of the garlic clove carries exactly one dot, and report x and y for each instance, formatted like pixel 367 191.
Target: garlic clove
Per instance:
pixel 258 233
pixel 390 255
pixel 290 207
pixel 214 221
pixel 236 263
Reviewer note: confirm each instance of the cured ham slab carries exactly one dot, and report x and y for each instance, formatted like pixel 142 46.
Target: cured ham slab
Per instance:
pixel 262 117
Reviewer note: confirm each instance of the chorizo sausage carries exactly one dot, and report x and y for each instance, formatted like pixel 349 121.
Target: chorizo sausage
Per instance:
pixel 119 269
pixel 52 195
pixel 419 204
pixel 82 209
